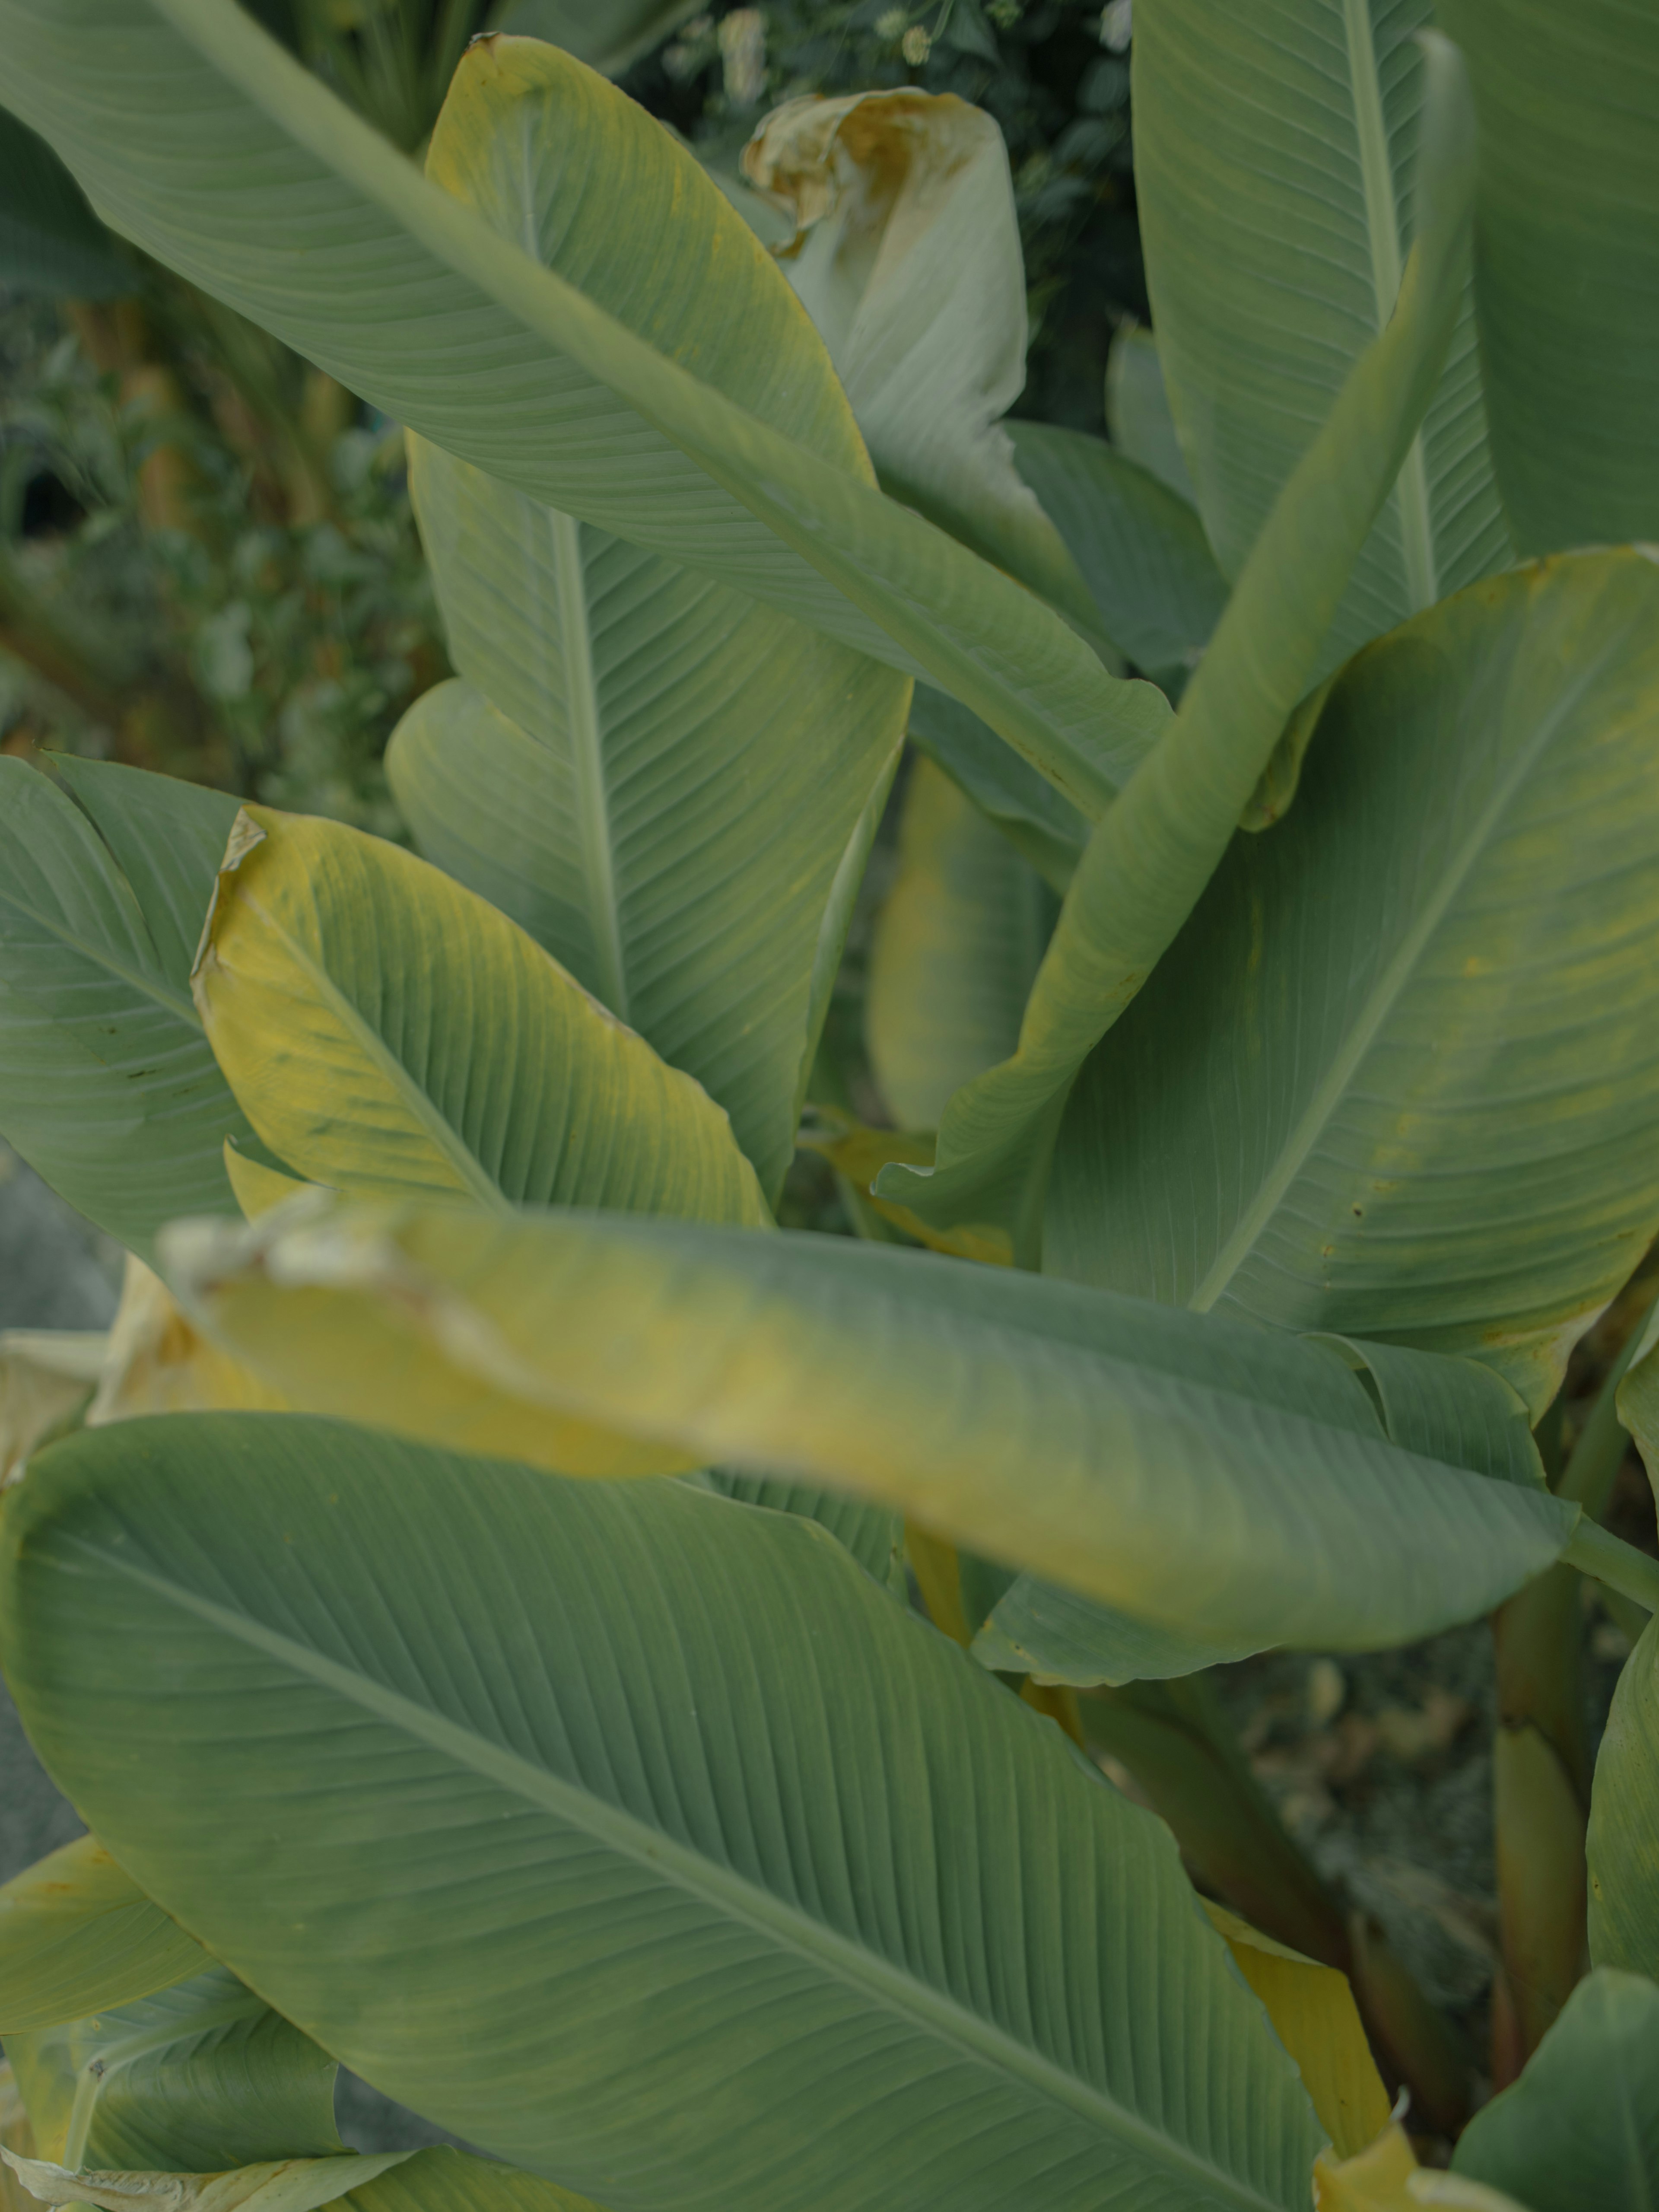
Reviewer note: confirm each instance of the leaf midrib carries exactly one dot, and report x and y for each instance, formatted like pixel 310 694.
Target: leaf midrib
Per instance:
pixel 1411 490
pixel 1363 1032
pixel 173 1003
pixel 444 1138
pixel 927 2008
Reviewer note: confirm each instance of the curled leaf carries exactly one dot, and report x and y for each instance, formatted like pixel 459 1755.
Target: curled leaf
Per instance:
pixel 906 254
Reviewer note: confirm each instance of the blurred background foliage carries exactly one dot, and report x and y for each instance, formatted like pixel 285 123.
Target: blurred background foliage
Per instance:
pixel 208 561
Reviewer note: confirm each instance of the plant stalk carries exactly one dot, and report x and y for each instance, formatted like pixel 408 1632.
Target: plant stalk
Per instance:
pixel 1175 1742
pixel 1541 1755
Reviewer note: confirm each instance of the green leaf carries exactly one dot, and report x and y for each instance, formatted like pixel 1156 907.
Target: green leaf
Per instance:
pixel 108 1087
pixel 1566 285
pixel 1055 1635
pixel 649 1896
pixel 388 1031
pixel 443 2179
pixel 653 775
pixel 906 254
pixel 199 2077
pixel 1041 826
pixel 1396 1078
pixel 953 954
pixel 1273 152
pixel 606 35
pixel 1639 1396
pixel 1137 413
pixel 51 241
pixel 1141 549
pixel 1208 1476
pixel 1622 1848
pixel 1450 1410
pixel 699 418
pixel 77 1935
pixel 437 2180
pixel 874 1535
pixel 1147 862
pixel 1581 2126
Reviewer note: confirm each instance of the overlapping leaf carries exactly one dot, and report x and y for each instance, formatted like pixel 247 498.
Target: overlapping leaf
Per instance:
pixel 437 2180
pixel 1273 177
pixel 655 777
pixel 1623 1845
pixel 628 384
pixel 200 2075
pixel 77 1935
pixel 107 1085
pixel 387 1030
pixel 1451 1410
pixel 1397 1076
pixel 646 1895
pixel 1140 548
pixel 1211 1477
pixel 955 946
pixel 1147 862
pixel 1581 2126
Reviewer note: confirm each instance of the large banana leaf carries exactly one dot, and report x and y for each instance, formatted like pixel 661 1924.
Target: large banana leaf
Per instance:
pixel 1397 1076
pixel 1449 1410
pixel 386 1030
pixel 873 1534
pixel 1210 1476
pixel 655 777
pixel 1273 176
pixel 953 952
pixel 756 1896
pixel 77 1935
pixel 1566 278
pixel 198 2076
pixel 107 1085
pixel 906 254
pixel 661 380
pixel 50 239
pixel 1581 2126
pixel 1623 1845
pixel 1147 862
pixel 1140 548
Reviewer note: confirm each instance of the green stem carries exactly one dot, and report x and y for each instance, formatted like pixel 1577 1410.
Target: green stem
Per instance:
pixel 1595 1461
pixel 1609 1559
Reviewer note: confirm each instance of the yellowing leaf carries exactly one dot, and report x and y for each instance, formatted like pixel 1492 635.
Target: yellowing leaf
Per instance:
pixel 860 1153
pixel 1313 2010
pixel 906 256
pixel 1222 1478
pixel 258 1188
pixel 159 1361
pixel 956 945
pixel 387 1032
pixel 77 1935
pixel 46 1376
